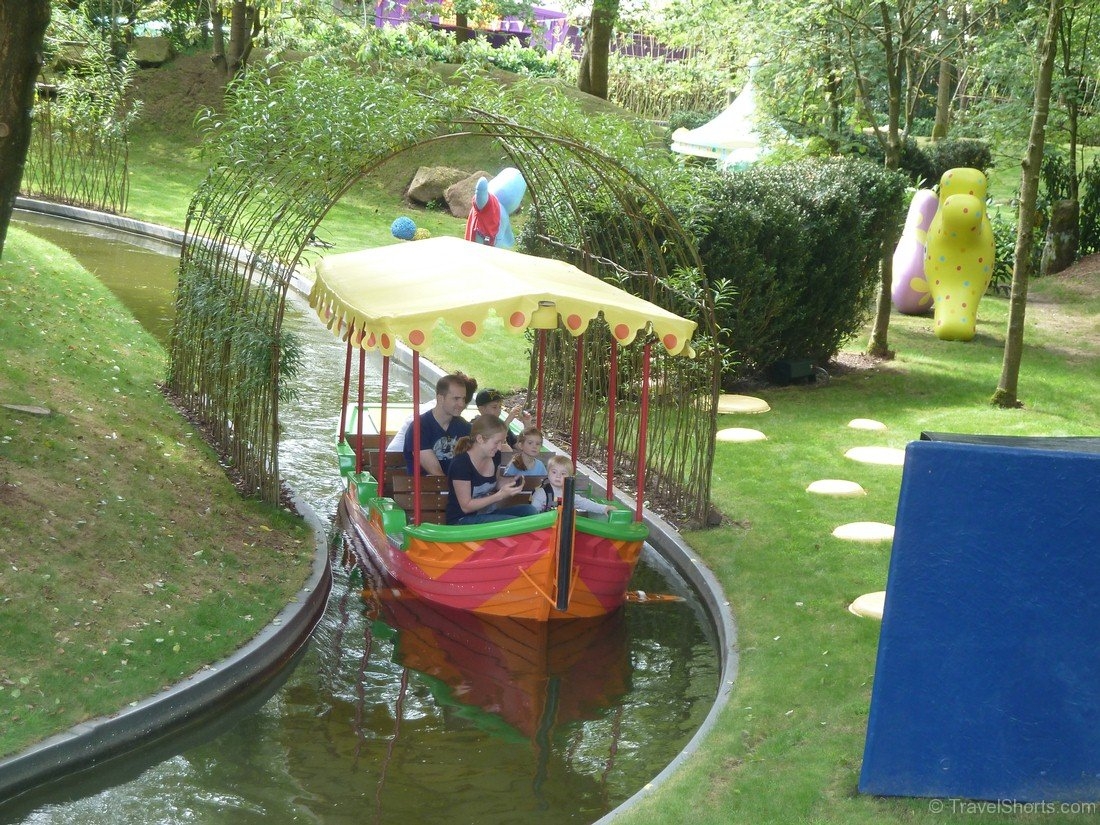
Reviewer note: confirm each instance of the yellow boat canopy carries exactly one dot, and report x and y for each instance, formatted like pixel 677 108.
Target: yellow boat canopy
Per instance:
pixel 400 292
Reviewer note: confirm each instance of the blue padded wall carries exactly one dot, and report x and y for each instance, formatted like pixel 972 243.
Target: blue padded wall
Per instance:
pixel 987 684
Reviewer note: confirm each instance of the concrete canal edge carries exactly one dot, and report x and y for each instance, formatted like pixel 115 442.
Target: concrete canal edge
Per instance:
pixel 100 740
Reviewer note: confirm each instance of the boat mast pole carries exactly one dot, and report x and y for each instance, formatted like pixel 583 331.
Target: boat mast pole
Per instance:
pixel 578 372
pixel 643 426
pixel 612 394
pixel 416 436
pixel 382 426
pixel 359 413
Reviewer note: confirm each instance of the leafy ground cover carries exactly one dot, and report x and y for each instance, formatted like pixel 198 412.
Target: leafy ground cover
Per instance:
pixel 788 747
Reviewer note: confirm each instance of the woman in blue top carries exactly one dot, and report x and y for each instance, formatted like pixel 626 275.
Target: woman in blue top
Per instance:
pixel 475 494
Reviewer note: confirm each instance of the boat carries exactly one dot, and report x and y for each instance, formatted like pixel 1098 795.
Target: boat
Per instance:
pixel 555 565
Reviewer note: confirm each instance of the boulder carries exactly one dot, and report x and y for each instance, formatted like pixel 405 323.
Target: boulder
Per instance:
pixel 1060 246
pixel 151 51
pixel 431 182
pixel 460 194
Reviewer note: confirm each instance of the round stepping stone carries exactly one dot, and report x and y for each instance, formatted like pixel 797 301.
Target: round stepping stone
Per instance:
pixel 877 455
pixel 740 434
pixel 836 487
pixel 865 531
pixel 741 404
pixel 866 424
pixel 869 605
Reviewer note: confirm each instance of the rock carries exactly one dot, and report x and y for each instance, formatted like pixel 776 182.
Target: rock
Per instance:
pixel 151 51
pixel 459 195
pixel 1060 248
pixel 24 408
pixel 431 182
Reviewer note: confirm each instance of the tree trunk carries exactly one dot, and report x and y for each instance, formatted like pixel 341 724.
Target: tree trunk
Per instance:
pixel 1006 393
pixel 943 87
pixel 879 345
pixel 22 27
pixel 217 23
pixel 592 77
pixel 463 32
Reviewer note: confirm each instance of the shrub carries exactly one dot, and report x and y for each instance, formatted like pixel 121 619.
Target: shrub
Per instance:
pixel 914 163
pixel 800 245
pixel 960 153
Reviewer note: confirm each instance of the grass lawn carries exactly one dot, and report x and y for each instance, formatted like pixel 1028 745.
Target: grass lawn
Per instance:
pixel 788 747
pixel 127 559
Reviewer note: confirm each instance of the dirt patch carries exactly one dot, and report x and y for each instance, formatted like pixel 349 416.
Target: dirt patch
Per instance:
pixel 174 93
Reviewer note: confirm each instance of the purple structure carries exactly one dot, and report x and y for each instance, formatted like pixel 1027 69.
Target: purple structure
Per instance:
pixel 551 29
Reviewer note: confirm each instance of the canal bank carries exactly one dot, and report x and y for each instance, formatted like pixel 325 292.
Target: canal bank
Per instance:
pixel 664 540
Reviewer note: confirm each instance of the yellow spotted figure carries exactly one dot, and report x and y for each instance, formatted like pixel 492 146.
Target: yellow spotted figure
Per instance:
pixel 958 262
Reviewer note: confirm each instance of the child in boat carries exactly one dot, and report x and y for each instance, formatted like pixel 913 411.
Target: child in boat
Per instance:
pixel 490 402
pixel 525 461
pixel 475 492
pixel 558 467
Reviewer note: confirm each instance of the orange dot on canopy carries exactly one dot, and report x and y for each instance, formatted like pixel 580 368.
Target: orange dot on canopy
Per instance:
pixel 622 332
pixel 371 340
pixel 574 321
pixel 469 328
pixel 517 320
pixel 385 341
pixel 670 342
pixel 416 338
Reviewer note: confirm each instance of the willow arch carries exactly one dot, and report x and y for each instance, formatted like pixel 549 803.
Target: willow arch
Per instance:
pixel 297 138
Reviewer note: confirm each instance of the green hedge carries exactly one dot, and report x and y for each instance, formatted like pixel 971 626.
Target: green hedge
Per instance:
pixel 800 246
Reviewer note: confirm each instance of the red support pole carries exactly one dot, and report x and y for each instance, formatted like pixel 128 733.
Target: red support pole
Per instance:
pixel 540 369
pixel 612 393
pixel 643 426
pixel 415 433
pixel 359 413
pixel 347 392
pixel 578 373
pixel 382 426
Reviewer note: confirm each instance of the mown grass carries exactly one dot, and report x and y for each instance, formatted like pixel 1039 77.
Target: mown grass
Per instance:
pixel 789 745
pixel 127 559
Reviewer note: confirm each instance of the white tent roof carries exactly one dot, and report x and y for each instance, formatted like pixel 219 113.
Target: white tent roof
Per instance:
pixel 731 137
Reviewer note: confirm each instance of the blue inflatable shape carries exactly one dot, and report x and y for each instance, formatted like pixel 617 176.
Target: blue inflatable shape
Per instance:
pixel 988 677
pixel 403 228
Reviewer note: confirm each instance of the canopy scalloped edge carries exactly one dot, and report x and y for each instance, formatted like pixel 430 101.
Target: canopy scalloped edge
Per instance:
pixel 400 292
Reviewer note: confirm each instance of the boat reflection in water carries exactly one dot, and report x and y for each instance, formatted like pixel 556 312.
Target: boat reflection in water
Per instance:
pixel 516 679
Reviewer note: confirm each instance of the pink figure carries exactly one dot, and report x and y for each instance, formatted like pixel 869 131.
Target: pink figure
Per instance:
pixel 910 292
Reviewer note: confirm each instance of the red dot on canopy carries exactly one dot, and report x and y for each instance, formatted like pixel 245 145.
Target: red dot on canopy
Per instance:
pixel 574 321
pixel 385 341
pixel 416 338
pixel 622 332
pixel 469 328
pixel 517 320
pixel 371 340
pixel 670 342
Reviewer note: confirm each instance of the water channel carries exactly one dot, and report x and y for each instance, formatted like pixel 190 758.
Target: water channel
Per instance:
pixel 378 721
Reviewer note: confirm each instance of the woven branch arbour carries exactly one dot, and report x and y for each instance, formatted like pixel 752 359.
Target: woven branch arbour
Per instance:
pixel 296 138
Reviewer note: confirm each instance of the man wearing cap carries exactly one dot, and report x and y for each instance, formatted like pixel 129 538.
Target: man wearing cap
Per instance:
pixel 489 402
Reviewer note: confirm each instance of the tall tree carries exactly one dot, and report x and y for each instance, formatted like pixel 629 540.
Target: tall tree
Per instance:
pixel 1006 393
pixel 22 28
pixel 246 21
pixel 592 73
